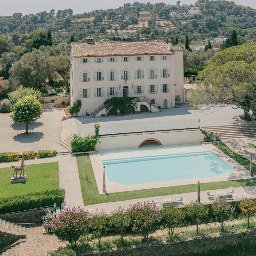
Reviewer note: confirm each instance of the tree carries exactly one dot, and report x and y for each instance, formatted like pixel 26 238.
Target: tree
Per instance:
pixel 99 226
pixel 248 207
pixel 187 47
pixel 5 45
pixel 49 38
pixel 21 92
pixel 75 108
pixel 6 62
pixel 208 46
pixel 26 111
pixel 230 79
pixel 172 218
pixel 222 210
pixel 145 218
pixel 72 38
pixel 232 41
pixel 121 221
pixel 197 213
pixel 71 224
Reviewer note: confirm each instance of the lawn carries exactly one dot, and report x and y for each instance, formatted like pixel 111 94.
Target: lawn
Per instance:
pixel 40 177
pixel 91 196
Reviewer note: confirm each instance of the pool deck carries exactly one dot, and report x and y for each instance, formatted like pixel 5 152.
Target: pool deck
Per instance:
pixel 104 186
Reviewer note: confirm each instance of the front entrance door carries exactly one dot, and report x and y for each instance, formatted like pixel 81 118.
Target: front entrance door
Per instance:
pixel 165 103
pixel 125 91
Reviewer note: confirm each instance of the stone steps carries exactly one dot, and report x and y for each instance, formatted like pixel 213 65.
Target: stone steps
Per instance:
pixel 11 228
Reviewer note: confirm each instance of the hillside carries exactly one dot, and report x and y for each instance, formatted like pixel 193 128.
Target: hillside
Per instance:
pixel 131 21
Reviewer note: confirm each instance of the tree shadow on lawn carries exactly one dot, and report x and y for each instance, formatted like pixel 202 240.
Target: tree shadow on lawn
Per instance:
pixel 31 137
pixel 20 127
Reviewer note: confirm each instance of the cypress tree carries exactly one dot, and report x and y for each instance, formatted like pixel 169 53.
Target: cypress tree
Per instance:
pixel 208 46
pixel 233 38
pixel 72 39
pixel 187 47
pixel 49 38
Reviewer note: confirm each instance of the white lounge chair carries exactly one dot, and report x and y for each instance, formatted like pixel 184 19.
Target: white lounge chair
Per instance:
pixel 179 199
pixel 156 203
pixel 167 200
pixel 230 190
pixel 209 194
pixel 63 206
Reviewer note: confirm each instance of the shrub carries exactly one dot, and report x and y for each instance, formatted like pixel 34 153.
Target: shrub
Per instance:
pixel 64 118
pixel 97 129
pixel 145 218
pixel 71 224
pixel 84 144
pixel 207 135
pixel 121 221
pixel 222 210
pixel 31 201
pixel 28 155
pixel 172 218
pixel 248 207
pixel 45 153
pixel 117 103
pixel 75 108
pixel 5 106
pixel 9 157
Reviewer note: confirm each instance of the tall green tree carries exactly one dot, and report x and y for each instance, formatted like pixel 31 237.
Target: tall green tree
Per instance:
pixel 208 46
pixel 230 78
pixel 26 111
pixel 49 38
pixel 187 47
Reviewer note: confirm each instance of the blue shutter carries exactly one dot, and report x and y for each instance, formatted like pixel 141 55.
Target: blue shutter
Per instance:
pixel 149 89
pixel 115 59
pixel 81 77
pixel 161 57
pixel 116 91
pixel 122 74
pixel 142 73
pixel 161 73
pixel 102 92
pixel 148 73
pixel 142 89
pixel 162 87
pixel 168 57
pixel 156 88
pixel 81 60
pixel 108 91
pixel 168 87
pixel 88 93
pixel 135 89
pixel 116 75
pixel 129 58
pixel 102 75
pixel 108 59
pixel 142 58
pixel 89 76
pixel 135 74
pixel 108 75
pixel 129 75
pixel 80 94
pixel 95 75
pixel 168 72
pixel 155 73
pixel 95 92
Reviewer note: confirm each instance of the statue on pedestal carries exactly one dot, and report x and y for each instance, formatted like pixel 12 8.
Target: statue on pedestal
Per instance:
pixel 22 178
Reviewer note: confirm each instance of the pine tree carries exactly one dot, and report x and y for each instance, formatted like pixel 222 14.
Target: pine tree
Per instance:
pixel 176 41
pixel 233 38
pixel 49 38
pixel 72 39
pixel 208 46
pixel 187 47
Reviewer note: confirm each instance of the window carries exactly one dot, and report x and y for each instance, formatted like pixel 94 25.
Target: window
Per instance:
pixel 112 91
pixel 99 76
pixel 139 74
pixel 152 88
pixel 153 101
pixel 165 74
pixel 126 75
pixel 139 58
pixel 164 57
pixel 125 59
pixel 152 58
pixel 99 92
pixel 112 75
pixel 85 77
pixel 85 93
pixel 85 60
pixel 98 60
pixel 165 89
pixel 152 74
pixel 139 89
pixel 112 59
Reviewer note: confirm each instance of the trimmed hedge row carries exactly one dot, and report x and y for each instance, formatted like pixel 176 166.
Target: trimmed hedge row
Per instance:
pixel 13 156
pixel 31 201
pixel 9 157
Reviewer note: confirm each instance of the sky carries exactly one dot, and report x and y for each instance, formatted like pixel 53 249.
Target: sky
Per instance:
pixel 81 6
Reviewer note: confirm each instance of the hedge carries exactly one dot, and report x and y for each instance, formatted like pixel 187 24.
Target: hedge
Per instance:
pixel 31 201
pixel 28 155
pixel 45 153
pixel 9 157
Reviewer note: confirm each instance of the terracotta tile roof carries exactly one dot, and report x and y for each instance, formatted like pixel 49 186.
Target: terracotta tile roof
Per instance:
pixel 122 49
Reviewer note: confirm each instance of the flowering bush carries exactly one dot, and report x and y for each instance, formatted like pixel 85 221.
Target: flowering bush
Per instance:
pixel 121 221
pixel 248 207
pixel 71 224
pixel 145 218
pixel 222 210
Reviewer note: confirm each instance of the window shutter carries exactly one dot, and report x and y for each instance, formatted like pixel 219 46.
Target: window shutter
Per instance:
pixel 81 61
pixel 135 58
pixel 122 74
pixel 142 89
pixel 135 89
pixel 88 60
pixel 95 92
pixel 161 57
pixel 135 73
pixel 108 59
pixel 88 93
pixel 80 94
pixel 102 92
pixel 148 73
pixel 129 75
pixel 156 88
pixel 168 57
pixel 108 75
pixel 162 87
pixel 155 57
pixel 168 72
pixel 95 60
pixel 148 58
pixel 102 75
pixel 142 73
pixel 108 91
pixel 115 59
pixel 116 75
pixel 102 60
pixel 149 89
pixel 129 58
pixel 142 58
pixel 161 73
pixel 155 73
pixel 168 87
pixel 122 59
pixel 95 75
pixel 89 76
pixel 116 91
pixel 81 76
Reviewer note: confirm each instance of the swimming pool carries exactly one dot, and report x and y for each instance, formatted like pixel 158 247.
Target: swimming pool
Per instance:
pixel 149 166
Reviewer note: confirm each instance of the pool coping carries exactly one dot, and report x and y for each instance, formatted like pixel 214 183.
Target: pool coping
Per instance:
pixel 104 186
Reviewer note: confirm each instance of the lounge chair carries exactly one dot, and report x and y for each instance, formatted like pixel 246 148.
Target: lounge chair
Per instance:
pixel 230 190
pixel 179 199
pixel 156 203
pixel 63 206
pixel 209 194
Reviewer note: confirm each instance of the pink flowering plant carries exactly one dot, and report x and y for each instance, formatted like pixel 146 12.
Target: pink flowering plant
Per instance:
pixel 223 211
pixel 145 218
pixel 121 221
pixel 70 224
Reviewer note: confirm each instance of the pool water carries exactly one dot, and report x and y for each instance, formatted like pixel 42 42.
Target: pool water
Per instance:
pixel 164 167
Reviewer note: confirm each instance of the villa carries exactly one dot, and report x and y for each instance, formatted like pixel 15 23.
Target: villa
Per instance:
pixel 151 72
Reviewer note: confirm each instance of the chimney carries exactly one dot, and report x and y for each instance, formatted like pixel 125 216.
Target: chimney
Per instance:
pixel 143 39
pixel 89 40
pixel 170 44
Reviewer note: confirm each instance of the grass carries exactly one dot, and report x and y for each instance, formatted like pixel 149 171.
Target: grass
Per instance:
pixel 40 177
pixel 91 196
pixel 237 157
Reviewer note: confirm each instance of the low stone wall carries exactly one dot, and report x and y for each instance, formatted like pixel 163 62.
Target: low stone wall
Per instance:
pixel 61 99
pixel 50 98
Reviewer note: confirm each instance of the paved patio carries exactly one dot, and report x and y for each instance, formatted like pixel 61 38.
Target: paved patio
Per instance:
pixel 43 134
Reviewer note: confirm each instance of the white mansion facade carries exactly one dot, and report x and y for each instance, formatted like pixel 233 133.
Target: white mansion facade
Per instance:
pixel 103 70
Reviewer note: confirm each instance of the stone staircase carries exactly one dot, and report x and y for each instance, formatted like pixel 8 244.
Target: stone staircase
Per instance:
pixel 226 132
pixel 97 110
pixel 12 228
pixel 67 133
